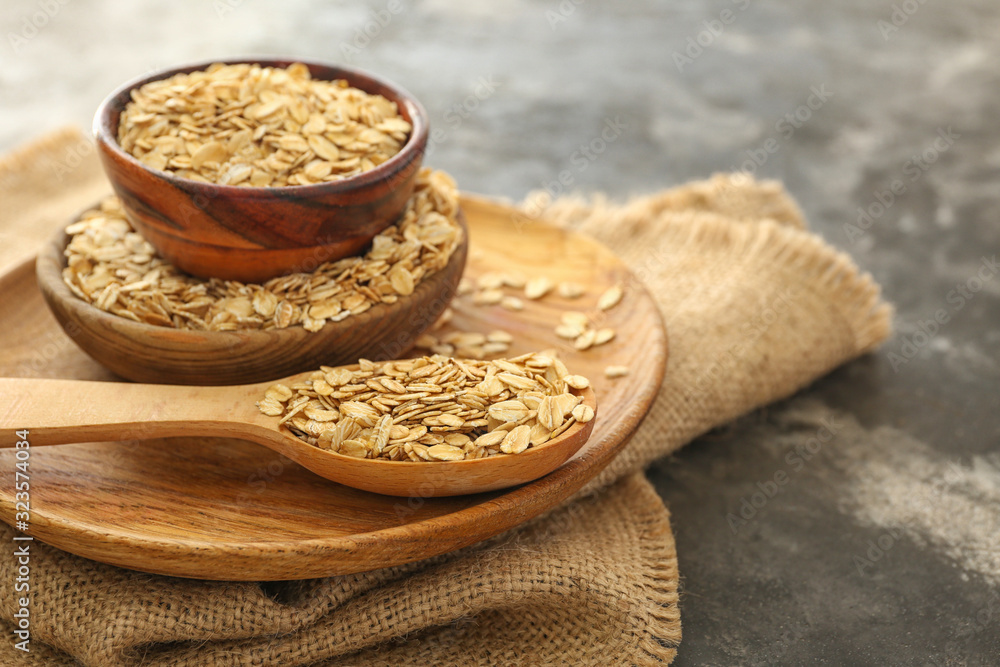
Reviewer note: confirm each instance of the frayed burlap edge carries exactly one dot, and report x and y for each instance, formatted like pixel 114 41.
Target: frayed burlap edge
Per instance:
pixel 687 221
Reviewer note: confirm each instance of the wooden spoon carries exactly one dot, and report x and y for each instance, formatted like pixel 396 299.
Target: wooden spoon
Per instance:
pixel 56 412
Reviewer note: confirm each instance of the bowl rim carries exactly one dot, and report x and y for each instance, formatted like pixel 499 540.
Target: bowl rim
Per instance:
pixel 414 147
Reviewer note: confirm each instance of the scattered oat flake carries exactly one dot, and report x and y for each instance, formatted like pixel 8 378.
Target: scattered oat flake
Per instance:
pixel 499 336
pixel 271 407
pixel 514 280
pixel 576 318
pixel 495 348
pixel 616 371
pixel 490 281
pixel 610 298
pixel 511 303
pixel 426 341
pixel 488 297
pixel 536 288
pixel 585 340
pixel 279 392
pixel 463 338
pixel 604 336
pixel 465 286
pixel 569 331
pixel 569 290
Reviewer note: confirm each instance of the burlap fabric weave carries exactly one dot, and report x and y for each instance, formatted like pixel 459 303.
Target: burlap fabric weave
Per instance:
pixel 756 308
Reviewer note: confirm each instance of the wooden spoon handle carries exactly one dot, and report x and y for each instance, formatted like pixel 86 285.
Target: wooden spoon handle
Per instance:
pixel 63 411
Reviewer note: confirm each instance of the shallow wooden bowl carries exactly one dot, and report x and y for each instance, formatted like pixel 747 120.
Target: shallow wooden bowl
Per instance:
pixel 252 234
pixel 163 355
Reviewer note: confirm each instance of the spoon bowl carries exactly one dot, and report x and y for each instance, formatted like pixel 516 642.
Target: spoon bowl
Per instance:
pixel 55 412
pixel 164 355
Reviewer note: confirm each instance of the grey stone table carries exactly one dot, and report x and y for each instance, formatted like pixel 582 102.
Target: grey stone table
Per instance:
pixel 857 523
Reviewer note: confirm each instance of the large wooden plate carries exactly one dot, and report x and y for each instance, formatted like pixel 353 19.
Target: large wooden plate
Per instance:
pixel 231 510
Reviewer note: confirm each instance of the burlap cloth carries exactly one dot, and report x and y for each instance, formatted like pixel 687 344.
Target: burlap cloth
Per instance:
pixel 756 308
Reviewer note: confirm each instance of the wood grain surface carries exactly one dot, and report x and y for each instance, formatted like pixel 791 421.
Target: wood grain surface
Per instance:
pixel 225 509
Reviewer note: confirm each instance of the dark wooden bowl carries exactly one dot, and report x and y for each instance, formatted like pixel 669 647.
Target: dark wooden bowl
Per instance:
pixel 163 355
pixel 252 234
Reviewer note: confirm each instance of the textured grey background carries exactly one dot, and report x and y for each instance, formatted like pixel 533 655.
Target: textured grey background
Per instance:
pixel 517 87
